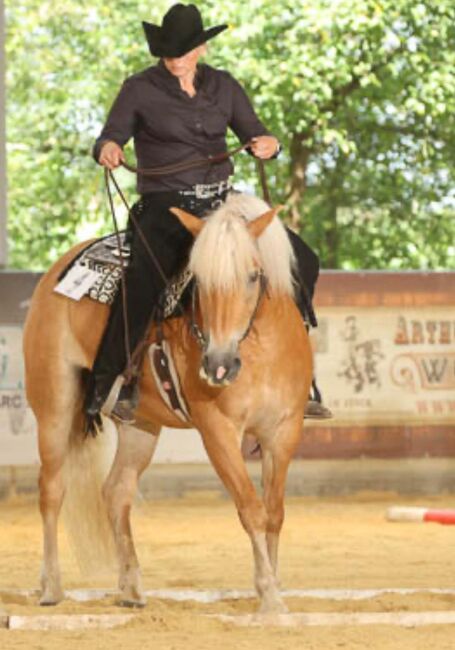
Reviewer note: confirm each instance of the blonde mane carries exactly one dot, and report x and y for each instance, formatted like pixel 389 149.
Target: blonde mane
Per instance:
pixel 222 254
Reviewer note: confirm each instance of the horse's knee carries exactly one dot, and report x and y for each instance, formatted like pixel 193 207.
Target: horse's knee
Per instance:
pixel 118 493
pixel 253 516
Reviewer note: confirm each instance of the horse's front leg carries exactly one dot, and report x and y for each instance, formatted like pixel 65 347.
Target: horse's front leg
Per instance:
pixel 277 451
pixel 221 442
pixel 134 452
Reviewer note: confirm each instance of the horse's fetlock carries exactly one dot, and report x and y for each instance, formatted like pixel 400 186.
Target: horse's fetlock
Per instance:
pixel 266 585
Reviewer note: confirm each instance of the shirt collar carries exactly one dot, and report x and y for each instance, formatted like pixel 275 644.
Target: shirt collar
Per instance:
pixel 171 80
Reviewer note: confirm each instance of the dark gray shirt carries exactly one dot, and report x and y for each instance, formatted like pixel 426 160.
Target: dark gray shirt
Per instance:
pixel 169 126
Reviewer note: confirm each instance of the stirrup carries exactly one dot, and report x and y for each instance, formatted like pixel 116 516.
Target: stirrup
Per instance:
pixel 316 411
pixel 112 398
pixel 123 413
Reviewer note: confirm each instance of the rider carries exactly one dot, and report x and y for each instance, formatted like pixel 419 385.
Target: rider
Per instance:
pixel 177 110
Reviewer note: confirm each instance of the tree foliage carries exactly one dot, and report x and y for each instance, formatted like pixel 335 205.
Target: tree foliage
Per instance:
pixel 360 92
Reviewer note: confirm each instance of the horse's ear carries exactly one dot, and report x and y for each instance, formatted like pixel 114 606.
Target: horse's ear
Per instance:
pixel 191 223
pixel 258 225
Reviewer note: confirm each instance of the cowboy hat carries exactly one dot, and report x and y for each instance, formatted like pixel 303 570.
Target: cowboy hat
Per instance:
pixel 181 31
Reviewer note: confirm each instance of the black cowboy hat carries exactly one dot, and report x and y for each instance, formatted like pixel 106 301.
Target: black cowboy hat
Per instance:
pixel 180 32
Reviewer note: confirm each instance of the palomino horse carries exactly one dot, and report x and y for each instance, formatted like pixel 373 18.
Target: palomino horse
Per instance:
pixel 251 375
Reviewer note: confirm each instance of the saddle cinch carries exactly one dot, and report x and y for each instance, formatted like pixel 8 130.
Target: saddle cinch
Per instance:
pixel 96 272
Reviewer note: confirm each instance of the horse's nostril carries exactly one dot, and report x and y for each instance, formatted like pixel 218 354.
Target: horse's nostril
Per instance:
pixel 220 369
pixel 234 371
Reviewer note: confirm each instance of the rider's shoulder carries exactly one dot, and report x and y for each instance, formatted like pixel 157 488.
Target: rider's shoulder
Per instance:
pixel 142 76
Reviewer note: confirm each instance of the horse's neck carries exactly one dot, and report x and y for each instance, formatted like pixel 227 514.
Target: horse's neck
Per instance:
pixel 279 312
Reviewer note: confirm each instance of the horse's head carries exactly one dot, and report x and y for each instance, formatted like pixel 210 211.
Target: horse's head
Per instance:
pixel 229 272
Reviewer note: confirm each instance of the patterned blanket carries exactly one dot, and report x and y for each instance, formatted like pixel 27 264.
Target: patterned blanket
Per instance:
pixel 96 273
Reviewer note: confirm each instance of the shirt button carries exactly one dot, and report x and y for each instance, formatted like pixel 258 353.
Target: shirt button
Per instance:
pixel 198 125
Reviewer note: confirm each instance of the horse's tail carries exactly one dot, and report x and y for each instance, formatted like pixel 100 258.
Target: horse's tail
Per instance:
pixel 85 512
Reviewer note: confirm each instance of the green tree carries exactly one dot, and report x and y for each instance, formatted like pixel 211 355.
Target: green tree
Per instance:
pixel 360 92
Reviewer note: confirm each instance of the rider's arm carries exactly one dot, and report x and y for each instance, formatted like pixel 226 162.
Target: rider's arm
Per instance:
pixel 119 126
pixel 244 121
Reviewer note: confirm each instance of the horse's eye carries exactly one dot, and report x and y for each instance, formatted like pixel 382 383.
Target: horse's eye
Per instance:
pixel 253 276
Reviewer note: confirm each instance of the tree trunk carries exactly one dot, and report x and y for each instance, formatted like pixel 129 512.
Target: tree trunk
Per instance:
pixel 332 235
pixel 334 196
pixel 300 155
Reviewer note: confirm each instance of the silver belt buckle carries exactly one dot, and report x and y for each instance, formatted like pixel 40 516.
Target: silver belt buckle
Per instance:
pixel 202 191
pixel 224 186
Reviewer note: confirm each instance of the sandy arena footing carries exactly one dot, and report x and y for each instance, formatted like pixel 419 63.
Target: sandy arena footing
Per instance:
pixel 296 619
pixel 401 619
pixel 213 596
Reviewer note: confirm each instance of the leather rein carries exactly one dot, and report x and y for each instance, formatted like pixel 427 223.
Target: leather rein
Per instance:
pixel 152 172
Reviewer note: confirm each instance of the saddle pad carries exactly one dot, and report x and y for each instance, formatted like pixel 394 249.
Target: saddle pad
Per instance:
pixel 167 379
pixel 96 273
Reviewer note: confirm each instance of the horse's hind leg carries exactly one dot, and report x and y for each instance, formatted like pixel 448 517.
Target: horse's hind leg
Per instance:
pixel 51 489
pixel 134 452
pixel 54 435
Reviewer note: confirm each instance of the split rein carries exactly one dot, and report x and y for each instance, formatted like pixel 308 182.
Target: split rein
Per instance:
pixel 155 172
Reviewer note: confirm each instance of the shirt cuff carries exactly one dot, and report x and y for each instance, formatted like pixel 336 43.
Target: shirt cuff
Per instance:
pixel 98 146
pixel 279 149
pixel 275 155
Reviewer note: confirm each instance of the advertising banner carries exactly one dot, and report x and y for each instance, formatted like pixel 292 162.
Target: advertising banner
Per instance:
pixel 17 423
pixel 386 366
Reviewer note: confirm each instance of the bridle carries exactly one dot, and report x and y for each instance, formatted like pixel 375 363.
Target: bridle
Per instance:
pixel 199 334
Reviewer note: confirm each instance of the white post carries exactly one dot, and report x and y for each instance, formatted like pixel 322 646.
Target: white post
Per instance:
pixel 3 202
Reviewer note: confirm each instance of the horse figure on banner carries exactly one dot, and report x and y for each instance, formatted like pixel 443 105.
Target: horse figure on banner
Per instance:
pixel 248 370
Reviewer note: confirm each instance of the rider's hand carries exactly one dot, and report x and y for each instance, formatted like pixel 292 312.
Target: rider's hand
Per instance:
pixel 264 146
pixel 111 155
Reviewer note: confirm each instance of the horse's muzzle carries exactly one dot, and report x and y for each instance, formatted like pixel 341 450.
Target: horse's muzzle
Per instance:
pixel 219 369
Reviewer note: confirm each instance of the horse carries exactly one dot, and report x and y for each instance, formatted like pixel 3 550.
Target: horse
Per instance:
pixel 248 372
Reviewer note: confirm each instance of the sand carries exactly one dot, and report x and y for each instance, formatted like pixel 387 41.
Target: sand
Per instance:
pixel 196 542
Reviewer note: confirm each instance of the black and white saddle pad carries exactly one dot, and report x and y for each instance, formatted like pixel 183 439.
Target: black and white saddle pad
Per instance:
pixel 96 273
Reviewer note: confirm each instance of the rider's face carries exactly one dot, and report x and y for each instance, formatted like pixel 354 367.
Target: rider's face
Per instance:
pixel 185 65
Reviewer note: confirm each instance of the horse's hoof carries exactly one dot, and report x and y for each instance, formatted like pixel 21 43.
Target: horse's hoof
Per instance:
pixel 272 608
pixel 44 602
pixel 132 604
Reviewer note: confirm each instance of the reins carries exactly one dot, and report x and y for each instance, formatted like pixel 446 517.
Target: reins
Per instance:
pixel 164 170
pixel 154 172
